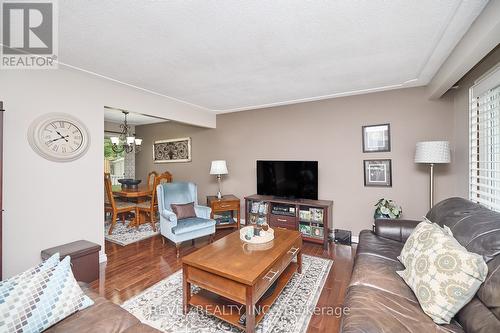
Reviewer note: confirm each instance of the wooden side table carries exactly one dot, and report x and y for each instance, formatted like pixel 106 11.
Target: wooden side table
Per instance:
pixel 228 203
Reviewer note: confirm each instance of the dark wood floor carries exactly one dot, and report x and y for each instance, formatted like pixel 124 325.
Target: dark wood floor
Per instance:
pixel 133 268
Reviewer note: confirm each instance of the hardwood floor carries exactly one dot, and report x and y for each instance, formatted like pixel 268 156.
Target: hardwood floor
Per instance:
pixel 133 268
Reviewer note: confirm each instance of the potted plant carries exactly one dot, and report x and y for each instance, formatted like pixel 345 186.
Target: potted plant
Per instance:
pixel 387 209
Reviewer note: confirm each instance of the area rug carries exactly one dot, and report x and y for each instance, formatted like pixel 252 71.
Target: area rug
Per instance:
pixel 160 306
pixel 123 235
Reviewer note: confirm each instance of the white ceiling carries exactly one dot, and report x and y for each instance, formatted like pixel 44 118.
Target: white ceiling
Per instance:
pixel 227 55
pixel 117 116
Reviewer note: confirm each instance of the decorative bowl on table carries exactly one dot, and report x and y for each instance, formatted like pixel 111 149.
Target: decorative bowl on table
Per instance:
pixel 129 184
pixel 263 237
pixel 250 248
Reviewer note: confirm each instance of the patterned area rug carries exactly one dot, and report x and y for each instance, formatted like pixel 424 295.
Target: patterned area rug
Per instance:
pixel 123 235
pixel 160 306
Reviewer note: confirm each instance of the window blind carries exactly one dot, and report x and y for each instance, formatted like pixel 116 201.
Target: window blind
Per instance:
pixel 484 141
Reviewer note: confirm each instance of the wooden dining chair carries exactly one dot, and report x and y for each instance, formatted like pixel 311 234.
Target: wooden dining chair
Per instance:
pixel 166 178
pixel 151 179
pixel 151 206
pixel 116 207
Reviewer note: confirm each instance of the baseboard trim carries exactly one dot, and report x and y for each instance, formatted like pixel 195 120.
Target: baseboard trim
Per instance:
pixel 102 257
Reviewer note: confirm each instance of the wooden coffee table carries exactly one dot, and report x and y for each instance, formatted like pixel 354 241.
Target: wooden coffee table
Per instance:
pixel 233 276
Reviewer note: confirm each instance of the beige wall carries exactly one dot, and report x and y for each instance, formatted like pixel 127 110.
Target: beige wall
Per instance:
pixel 460 99
pixel 328 131
pixel 46 203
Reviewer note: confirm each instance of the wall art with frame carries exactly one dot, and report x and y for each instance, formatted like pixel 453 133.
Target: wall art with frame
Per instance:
pixel 172 150
pixel 378 173
pixel 376 138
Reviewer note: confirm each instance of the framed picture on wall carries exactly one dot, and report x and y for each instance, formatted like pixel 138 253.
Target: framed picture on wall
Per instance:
pixel 378 173
pixel 173 150
pixel 376 138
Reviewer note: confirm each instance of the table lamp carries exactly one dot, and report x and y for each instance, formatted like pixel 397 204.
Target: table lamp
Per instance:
pixel 432 152
pixel 219 168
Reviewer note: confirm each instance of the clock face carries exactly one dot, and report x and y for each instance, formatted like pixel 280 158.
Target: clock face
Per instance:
pixel 62 137
pixel 59 137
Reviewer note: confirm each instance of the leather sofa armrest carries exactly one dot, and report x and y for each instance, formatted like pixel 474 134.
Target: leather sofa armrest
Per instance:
pixel 398 230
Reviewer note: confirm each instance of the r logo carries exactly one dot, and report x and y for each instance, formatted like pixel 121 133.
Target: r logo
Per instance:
pixel 27 28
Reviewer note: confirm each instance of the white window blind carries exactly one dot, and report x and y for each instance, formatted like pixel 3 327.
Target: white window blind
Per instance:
pixel 484 141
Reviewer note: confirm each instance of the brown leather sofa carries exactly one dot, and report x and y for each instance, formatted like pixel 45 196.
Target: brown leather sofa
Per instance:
pixel 380 301
pixel 102 317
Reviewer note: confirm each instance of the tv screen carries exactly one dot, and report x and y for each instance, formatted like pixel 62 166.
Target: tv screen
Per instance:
pixel 288 179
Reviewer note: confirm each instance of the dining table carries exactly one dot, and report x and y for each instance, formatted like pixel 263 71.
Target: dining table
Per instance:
pixel 140 194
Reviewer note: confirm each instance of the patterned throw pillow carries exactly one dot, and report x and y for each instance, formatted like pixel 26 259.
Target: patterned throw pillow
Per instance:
pixel 8 285
pixel 421 237
pixel 443 275
pixel 39 301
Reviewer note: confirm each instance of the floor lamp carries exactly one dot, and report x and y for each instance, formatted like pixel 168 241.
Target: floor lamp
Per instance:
pixel 432 152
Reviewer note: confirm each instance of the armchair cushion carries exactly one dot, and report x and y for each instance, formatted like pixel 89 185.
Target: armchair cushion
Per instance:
pixel 183 211
pixel 191 224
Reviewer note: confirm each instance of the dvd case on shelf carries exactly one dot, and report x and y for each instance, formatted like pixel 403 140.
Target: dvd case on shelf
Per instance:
pixel 255 207
pixel 259 207
pixel 305 229
pixel 305 215
pixel 316 214
pixel 317 231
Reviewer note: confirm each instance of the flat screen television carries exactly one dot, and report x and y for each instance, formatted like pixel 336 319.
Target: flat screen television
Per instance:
pixel 288 179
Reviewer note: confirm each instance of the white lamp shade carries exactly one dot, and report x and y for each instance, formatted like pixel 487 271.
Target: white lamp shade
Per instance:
pixel 130 140
pixel 432 152
pixel 218 168
pixel 138 141
pixel 115 140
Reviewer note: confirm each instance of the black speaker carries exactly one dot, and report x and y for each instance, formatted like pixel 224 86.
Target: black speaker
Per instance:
pixel 342 236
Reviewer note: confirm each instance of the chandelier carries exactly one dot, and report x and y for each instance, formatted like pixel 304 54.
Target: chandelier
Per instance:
pixel 126 141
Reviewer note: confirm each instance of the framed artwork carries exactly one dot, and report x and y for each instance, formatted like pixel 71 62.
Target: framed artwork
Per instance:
pixel 376 138
pixel 378 173
pixel 173 150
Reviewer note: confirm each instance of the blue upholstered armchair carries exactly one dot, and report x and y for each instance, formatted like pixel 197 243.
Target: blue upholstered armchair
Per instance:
pixel 179 231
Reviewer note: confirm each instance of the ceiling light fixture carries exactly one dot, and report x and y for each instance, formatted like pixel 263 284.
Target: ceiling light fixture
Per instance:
pixel 126 141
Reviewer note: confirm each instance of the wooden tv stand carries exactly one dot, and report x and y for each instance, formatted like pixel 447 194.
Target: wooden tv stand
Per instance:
pixel 315 229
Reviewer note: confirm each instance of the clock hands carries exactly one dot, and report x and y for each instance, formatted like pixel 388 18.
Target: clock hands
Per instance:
pixel 62 137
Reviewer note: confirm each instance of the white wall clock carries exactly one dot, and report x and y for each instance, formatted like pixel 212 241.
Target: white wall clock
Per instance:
pixel 59 137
